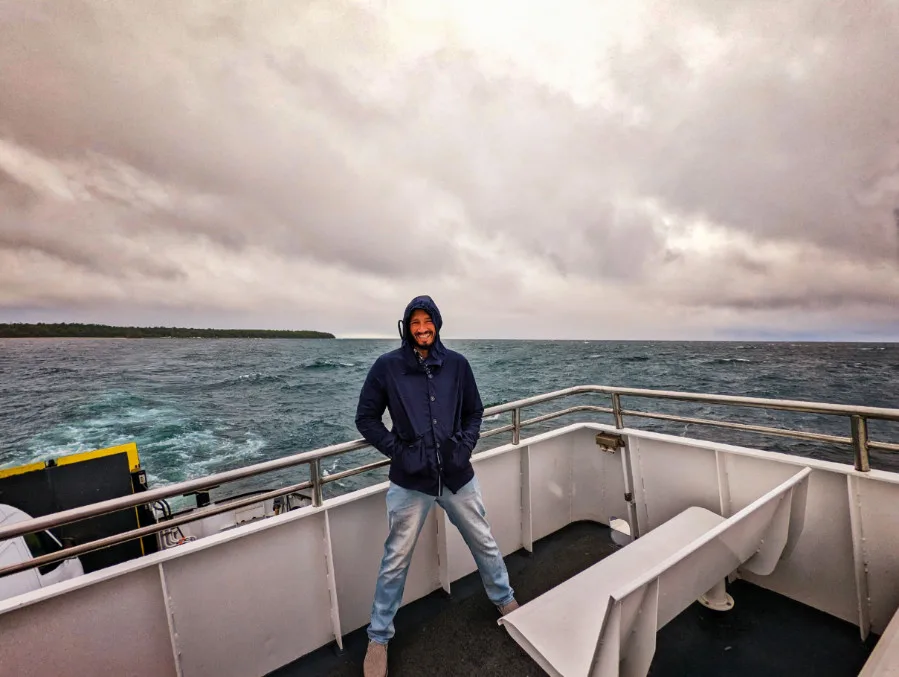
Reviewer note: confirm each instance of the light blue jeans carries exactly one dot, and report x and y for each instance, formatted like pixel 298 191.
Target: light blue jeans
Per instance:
pixel 406 514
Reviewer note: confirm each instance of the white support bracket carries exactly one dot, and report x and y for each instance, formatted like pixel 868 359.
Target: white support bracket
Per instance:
pixel 859 555
pixel 723 484
pixel 442 548
pixel 170 617
pixel 630 495
pixel 332 583
pixel 527 524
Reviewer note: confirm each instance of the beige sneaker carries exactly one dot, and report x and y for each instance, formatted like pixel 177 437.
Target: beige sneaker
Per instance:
pixel 375 660
pixel 508 608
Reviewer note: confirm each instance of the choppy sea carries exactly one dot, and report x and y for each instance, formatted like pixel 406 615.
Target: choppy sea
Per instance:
pixel 196 407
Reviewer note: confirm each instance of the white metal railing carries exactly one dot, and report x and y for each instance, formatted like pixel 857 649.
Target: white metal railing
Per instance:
pixel 859 440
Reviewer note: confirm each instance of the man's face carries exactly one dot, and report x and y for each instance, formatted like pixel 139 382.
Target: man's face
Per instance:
pixel 422 329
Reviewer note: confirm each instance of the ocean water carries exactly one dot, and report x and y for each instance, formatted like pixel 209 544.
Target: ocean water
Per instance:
pixel 196 407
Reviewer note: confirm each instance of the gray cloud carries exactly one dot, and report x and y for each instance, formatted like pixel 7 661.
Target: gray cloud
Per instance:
pixel 218 151
pixel 15 195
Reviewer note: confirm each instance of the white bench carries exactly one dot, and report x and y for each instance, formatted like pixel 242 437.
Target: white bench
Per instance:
pixel 603 621
pixel 884 660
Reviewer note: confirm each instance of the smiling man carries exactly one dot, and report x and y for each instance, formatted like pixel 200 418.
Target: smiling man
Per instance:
pixel 436 411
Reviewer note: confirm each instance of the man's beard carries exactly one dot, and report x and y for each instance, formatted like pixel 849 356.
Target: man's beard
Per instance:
pixel 423 346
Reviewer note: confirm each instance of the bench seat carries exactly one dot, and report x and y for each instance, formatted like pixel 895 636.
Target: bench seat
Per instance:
pixel 603 621
pixel 562 625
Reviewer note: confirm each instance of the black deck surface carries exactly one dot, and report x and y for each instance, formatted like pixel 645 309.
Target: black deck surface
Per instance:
pixel 765 635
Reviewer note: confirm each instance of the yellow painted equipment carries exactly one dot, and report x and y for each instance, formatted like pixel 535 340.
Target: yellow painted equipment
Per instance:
pixel 82 478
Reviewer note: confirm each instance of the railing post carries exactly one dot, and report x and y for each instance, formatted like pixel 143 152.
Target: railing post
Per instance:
pixel 315 469
pixel 616 410
pixel 516 425
pixel 860 443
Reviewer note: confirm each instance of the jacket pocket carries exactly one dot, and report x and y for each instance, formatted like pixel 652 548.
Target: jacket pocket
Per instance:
pixel 412 458
pixel 456 455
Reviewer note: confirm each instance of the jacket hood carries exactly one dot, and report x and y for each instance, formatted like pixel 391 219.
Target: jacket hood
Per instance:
pixel 425 303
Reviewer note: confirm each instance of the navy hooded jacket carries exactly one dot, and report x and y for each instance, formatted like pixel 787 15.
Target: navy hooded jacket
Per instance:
pixel 435 408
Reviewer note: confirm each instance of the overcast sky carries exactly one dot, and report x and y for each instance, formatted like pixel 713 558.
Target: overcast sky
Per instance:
pixel 543 169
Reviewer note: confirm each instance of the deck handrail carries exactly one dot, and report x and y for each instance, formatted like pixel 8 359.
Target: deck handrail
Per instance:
pixel 859 415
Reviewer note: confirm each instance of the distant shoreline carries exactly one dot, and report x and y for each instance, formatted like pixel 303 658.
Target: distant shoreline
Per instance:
pixel 102 331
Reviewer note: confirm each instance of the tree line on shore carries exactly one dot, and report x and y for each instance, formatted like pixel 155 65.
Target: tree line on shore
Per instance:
pixel 77 330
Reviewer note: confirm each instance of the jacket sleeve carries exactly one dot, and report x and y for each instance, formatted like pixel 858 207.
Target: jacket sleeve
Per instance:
pixel 472 409
pixel 370 410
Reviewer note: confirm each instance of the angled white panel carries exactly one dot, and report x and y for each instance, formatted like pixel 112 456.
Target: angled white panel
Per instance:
pixel 114 627
pixel 551 481
pixel 597 480
pixel 250 605
pixel 499 476
pixel 671 477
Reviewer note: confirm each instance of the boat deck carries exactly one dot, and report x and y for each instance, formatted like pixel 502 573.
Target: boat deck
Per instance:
pixel 765 634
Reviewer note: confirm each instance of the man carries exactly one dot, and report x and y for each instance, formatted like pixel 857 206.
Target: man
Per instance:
pixel 433 400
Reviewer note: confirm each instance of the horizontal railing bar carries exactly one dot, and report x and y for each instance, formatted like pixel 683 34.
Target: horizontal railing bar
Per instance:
pixel 168 491
pixel 538 399
pixel 498 431
pixel 545 417
pixel 883 446
pixel 355 471
pixel 782 432
pixel 565 412
pixel 801 406
pixel 192 516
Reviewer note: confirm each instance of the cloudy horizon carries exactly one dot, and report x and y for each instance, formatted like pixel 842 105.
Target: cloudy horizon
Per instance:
pixel 574 170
